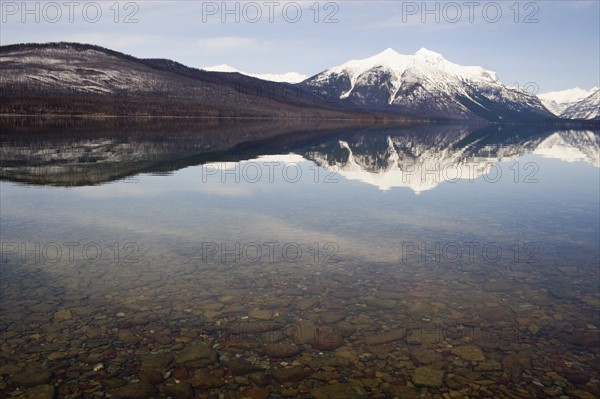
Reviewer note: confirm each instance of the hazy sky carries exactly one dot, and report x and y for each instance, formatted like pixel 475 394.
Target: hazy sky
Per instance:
pixel 552 44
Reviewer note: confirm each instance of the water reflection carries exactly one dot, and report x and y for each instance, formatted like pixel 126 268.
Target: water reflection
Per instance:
pixel 419 158
pixel 298 260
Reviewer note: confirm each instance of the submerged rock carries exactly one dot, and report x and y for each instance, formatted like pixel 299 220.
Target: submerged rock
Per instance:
pixel 428 377
pixel 338 391
pixel 136 390
pixel 282 350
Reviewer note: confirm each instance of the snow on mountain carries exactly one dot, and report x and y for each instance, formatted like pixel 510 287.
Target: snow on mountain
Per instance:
pixel 421 165
pixel 588 108
pixel 559 101
pixel 425 84
pixel 571 146
pixel 289 77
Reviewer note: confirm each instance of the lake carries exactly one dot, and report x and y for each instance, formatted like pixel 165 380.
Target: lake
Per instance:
pixel 228 259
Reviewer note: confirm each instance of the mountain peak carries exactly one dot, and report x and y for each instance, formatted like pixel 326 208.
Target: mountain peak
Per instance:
pixel 429 55
pixel 389 52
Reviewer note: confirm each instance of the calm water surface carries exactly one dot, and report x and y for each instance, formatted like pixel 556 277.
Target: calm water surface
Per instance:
pixel 433 261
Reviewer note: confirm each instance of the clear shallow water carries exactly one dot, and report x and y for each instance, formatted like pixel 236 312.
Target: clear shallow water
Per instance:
pixel 351 257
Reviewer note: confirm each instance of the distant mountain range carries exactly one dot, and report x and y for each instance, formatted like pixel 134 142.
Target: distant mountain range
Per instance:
pixel 289 77
pixel 72 78
pixel 558 102
pixel 587 108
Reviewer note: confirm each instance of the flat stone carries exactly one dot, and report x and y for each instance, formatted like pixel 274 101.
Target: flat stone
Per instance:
pixel 470 353
pixel 260 378
pixel 387 337
pixel 516 361
pixel 198 356
pixel 396 391
pixel 489 365
pixel 306 303
pixel 427 377
pixel 239 367
pixel 158 361
pixel 253 327
pixel 202 379
pixel 292 374
pixel 63 315
pixel 40 392
pixel 338 391
pixel 304 332
pixel 136 390
pixel 327 339
pixel 427 357
pixel 181 390
pixel 282 350
pixel 31 379
pixel 152 376
pixel 261 314
pixel 127 337
pixel 256 393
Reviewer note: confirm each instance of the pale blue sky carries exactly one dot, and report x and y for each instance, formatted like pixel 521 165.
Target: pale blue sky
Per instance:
pixel 559 51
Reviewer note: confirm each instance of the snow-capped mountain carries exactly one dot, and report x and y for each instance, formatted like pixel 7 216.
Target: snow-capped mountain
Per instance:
pixel 558 101
pixel 289 77
pixel 588 108
pixel 425 84
pixel 423 162
pixel 571 146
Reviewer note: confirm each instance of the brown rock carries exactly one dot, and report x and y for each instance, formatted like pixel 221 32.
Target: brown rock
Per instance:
pixel 282 350
pixel 197 356
pixel 31 379
pixel 470 353
pixel 515 361
pixel 386 338
pixel 152 376
pixel 427 357
pixel 292 374
pixel 181 390
pixel 577 377
pixel 304 332
pixel 242 367
pixel 127 337
pixel 327 339
pixel 136 390
pixel 260 378
pixel 40 392
pixel 257 393
pixel 428 377
pixel 202 379
pixel 156 361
